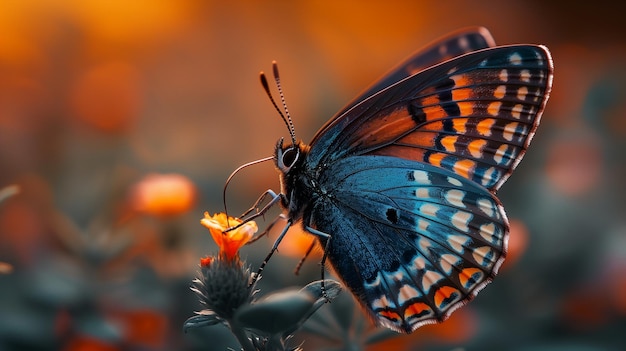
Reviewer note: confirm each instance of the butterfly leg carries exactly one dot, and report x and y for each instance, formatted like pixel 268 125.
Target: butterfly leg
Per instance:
pixel 326 246
pixel 268 229
pixel 306 254
pixel 260 211
pixel 269 255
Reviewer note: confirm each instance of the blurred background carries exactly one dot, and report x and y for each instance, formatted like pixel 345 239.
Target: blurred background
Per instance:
pixel 120 121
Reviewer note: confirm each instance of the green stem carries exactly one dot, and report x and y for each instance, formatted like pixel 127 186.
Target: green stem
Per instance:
pixel 242 337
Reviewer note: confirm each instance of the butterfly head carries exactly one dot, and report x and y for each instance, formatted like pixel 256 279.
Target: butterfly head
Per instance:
pixel 295 180
pixel 288 156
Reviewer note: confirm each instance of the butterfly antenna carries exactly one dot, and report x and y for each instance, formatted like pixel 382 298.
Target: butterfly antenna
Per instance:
pixel 286 117
pixel 292 130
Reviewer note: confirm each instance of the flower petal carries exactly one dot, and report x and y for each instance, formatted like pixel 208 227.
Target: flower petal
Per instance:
pixel 231 241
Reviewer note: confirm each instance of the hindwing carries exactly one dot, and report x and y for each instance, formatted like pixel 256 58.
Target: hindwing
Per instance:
pixel 412 241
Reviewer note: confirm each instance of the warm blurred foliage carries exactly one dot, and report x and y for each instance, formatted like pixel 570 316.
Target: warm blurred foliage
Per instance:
pixel 121 120
pixel 106 97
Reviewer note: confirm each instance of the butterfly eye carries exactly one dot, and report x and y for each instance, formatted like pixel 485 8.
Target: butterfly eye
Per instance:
pixel 288 157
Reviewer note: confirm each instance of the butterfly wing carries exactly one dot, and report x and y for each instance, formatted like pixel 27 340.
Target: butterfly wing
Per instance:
pixel 474 115
pixel 412 241
pixel 454 44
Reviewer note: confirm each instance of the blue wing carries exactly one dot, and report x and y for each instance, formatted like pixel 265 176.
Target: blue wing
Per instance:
pixel 455 44
pixel 474 115
pixel 412 241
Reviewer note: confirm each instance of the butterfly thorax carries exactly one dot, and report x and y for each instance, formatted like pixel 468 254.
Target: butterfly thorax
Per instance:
pixel 298 186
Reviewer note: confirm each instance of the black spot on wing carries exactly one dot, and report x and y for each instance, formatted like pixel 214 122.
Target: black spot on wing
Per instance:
pixel 417 114
pixel 447 103
pixel 392 215
pixel 410 176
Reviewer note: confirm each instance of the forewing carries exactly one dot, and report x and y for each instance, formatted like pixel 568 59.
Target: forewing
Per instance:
pixel 474 115
pixel 412 241
pixel 455 44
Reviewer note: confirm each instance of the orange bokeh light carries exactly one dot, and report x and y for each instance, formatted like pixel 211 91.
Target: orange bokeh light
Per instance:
pixel 87 343
pixel 574 165
pixel 518 242
pixel 296 243
pixel 459 328
pixel 163 195
pixel 107 97
pixel 618 292
pixel 147 328
pixel 5 268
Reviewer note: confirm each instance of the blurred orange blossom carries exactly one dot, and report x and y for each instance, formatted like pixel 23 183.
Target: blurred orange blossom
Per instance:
pixel 163 195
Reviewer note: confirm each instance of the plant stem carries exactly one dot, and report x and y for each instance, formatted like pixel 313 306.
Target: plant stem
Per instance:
pixel 242 337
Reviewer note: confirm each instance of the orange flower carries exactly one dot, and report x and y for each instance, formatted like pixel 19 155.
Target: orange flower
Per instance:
pixel 206 261
pixel 231 241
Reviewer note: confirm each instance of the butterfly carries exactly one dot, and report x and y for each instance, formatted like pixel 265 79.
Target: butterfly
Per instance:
pixel 399 186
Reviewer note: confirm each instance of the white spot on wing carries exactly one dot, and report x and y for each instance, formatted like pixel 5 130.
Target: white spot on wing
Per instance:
pixel 419 262
pixel 457 242
pixel 486 206
pixel 515 59
pixel 461 220
pixel 421 177
pixel 429 210
pixel 488 176
pixel 516 111
pixel 488 231
pixel 447 261
pixel 455 197
pixel 424 244
pixel 453 70
pixel 422 225
pixel 406 293
pixel 454 181
pixel 504 75
pixel 422 193
pixel 480 255
pixel 382 303
pixel 522 92
pixel 509 131
pixel 430 278
pixel 525 76
pixel 500 154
